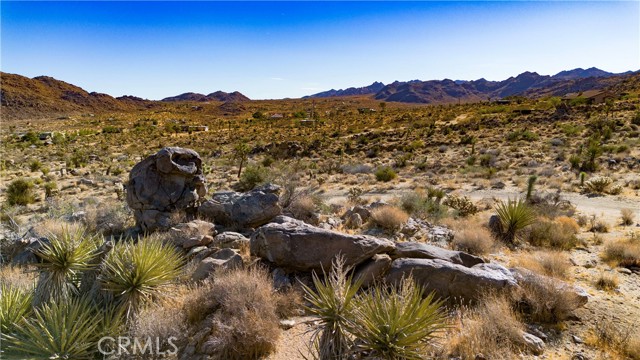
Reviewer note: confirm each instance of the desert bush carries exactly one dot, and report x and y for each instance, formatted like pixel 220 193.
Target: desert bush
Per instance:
pixel 332 302
pixel 557 234
pixel 462 204
pixel 546 300
pixel 64 258
pixel 551 263
pixel 385 174
pixel 162 321
pixel 395 323
pixel 627 216
pixel 136 273
pixel 612 336
pixel 492 329
pixel 35 165
pixel 514 216
pixel 15 303
pixel 607 281
pixel 389 217
pixel 598 225
pixel 20 192
pixel 598 184
pixel 50 188
pixel 109 218
pixel 622 252
pixel 424 203
pixel 355 196
pixel 58 330
pixel 477 240
pixel 303 207
pixel 245 323
pixel 251 177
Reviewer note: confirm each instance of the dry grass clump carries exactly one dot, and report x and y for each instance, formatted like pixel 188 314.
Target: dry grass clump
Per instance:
pixel 548 262
pixel 492 329
pixel 389 217
pixel 477 240
pixel 627 216
pixel 56 228
pixel 611 336
pixel 304 208
pixel 622 252
pixel 17 277
pixel 559 233
pixel 241 307
pixel 607 281
pixel 543 299
pixel 109 218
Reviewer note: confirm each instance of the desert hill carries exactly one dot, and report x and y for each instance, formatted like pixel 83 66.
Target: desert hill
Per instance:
pixel 214 96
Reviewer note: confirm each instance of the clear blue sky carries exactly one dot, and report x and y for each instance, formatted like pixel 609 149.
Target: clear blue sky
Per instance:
pixel 290 49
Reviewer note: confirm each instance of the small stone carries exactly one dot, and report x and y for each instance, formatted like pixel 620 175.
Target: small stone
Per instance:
pixel 624 271
pixel 577 339
pixel 287 324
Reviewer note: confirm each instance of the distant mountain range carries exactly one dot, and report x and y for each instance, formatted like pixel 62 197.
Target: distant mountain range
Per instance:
pixel 22 97
pixel 215 96
pixel 447 91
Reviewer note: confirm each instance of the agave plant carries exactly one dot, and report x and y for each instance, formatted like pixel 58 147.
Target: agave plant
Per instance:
pixel 136 273
pixel 58 330
pixel 395 323
pixel 332 302
pixel 514 216
pixel 15 303
pixel 65 258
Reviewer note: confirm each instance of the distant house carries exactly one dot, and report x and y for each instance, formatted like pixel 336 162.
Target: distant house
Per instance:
pixel 366 110
pixel 194 128
pixel 276 116
pixel 590 96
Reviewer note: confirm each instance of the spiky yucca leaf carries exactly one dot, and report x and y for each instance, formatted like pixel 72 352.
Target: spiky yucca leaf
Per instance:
pixel 395 323
pixel 135 273
pixel 332 302
pixel 15 303
pixel 65 257
pixel 58 330
pixel 514 216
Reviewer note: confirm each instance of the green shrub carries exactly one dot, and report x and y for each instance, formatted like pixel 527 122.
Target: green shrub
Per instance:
pixel 385 174
pixel 15 303
pixel 395 323
pixel 514 215
pixel 598 184
pixel 50 188
pixel 20 192
pixel 111 130
pixel 251 177
pixel 462 204
pixel 136 273
pixel 35 165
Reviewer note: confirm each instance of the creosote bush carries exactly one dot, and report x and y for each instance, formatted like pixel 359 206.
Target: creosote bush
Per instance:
pixel 622 252
pixel 389 218
pixel 544 299
pixel 558 234
pixel 627 216
pixel 20 192
pixel 476 240
pixel 385 174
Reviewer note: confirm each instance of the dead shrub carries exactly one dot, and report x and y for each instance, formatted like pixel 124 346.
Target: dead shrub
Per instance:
pixel 389 217
pixel 241 308
pixel 477 241
pixel 544 299
pixel 304 208
pixel 607 281
pixel 558 234
pixel 108 218
pixel 610 335
pixel 492 329
pixel 622 252
pixel 627 216
pixel 551 263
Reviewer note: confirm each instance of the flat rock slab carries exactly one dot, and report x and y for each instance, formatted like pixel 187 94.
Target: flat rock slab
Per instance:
pixel 452 281
pixel 425 251
pixel 298 246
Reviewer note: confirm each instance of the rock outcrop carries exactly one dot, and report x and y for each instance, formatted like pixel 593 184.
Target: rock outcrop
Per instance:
pixel 425 251
pixel 164 183
pixel 243 210
pixel 294 245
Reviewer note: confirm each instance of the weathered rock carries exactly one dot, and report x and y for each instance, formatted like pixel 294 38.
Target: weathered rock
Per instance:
pixel 354 221
pixel 192 233
pixel 425 251
pixel 524 276
pixel 169 181
pixel 534 344
pixel 373 270
pixel 202 240
pixel 24 251
pixel 453 281
pixel 243 210
pixel 229 239
pixel 364 213
pixel 280 279
pixel 295 245
pixel 222 259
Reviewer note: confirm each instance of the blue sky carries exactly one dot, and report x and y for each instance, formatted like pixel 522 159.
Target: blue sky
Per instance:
pixel 290 49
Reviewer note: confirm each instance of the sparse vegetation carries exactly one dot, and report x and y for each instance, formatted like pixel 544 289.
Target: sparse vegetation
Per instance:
pixel 514 216
pixel 385 174
pixel 20 192
pixel 389 218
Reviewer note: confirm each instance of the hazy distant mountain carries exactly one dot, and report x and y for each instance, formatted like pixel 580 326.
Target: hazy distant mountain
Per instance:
pixel 581 73
pixel 215 96
pixel 366 90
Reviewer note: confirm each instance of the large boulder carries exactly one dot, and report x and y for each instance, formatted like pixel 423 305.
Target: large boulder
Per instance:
pixel 524 277
pixel 222 259
pixel 425 251
pixel 164 183
pixel 243 210
pixel 373 270
pixel 294 245
pixel 453 281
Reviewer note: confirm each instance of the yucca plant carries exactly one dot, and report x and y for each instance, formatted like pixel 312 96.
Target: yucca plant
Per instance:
pixel 15 303
pixel 58 330
pixel 64 259
pixel 514 216
pixel 136 273
pixel 332 302
pixel 395 323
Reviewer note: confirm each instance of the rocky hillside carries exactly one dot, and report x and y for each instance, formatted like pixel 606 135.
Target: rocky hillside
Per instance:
pixel 214 96
pixel 365 90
